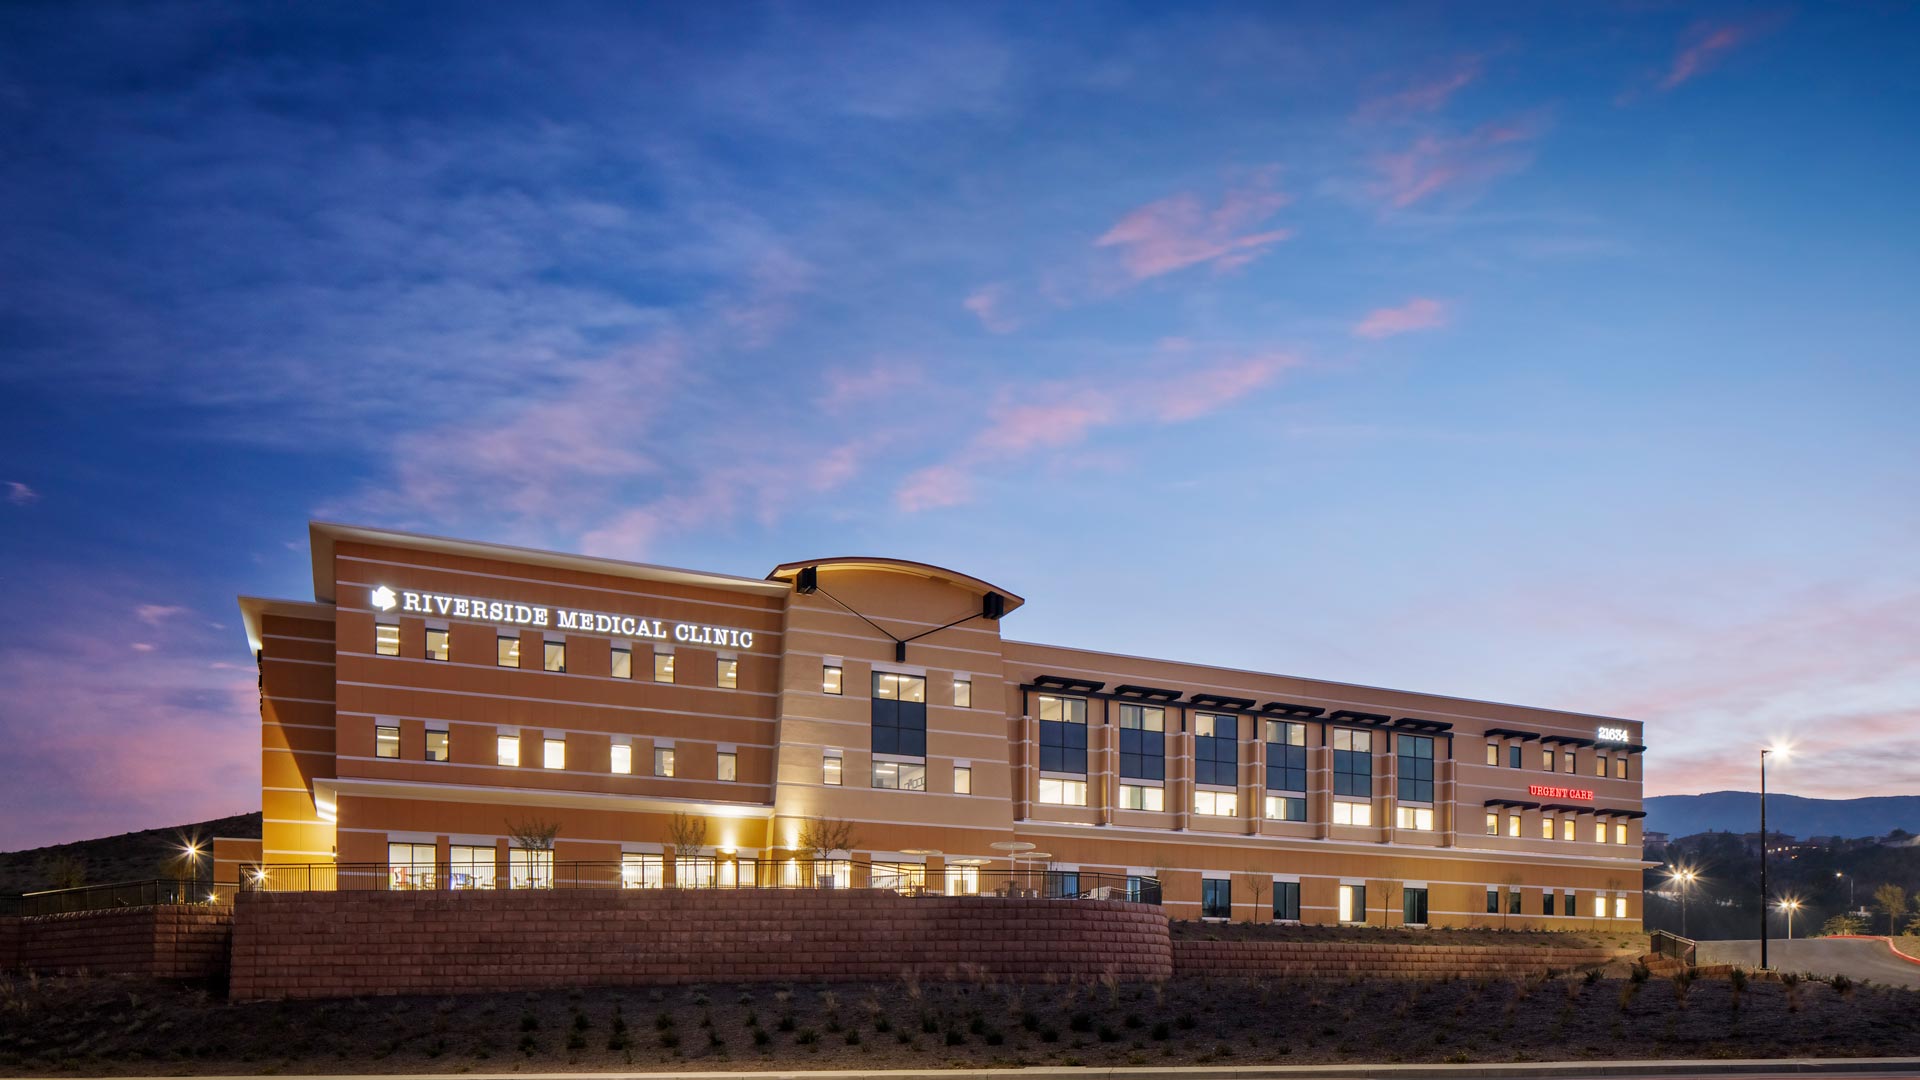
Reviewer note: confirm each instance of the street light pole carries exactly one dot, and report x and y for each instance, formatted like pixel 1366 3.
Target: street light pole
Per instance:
pixel 1763 858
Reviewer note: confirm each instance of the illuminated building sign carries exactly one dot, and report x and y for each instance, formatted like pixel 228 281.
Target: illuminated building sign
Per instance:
pixel 1613 735
pixel 478 609
pixel 1546 791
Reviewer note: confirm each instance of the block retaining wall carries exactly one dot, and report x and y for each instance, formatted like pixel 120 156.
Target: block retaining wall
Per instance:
pixel 166 941
pixel 9 942
pixel 346 943
pixel 1341 960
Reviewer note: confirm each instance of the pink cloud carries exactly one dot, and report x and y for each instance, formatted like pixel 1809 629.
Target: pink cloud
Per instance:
pixel 1425 97
pixel 155 614
pixel 20 494
pixel 1704 52
pixel 1420 313
pixel 1182 231
pixel 989 304
pixel 845 389
pixel 1190 397
pixel 1433 163
pixel 933 488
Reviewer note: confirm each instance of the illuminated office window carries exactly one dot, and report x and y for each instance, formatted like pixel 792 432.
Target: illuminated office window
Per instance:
pixel 386 640
pixel 1493 753
pixel 729 674
pixel 1493 824
pixel 438 645
pixel 1567 827
pixel 1546 758
pixel 1513 824
pixel 1286 808
pixel 1419 818
pixel 386 741
pixel 728 764
pixel 556 656
pixel 1216 803
pixel 555 754
pixel 622 663
pixel 1546 827
pixel 963 693
pixel 830 770
pixel 471 867
pixel 506 749
pixel 900 775
pixel 436 745
pixel 1061 792
pixel 1599 764
pixel 1599 832
pixel 962 780
pixel 1619 907
pixel 509 651
pixel 528 869
pixel 1348 812
pixel 830 678
pixel 1353 903
pixel 1620 832
pixel 1567 762
pixel 622 759
pixel 663 761
pixel 1620 767
pixel 663 667
pixel 1142 797
pixel 410 866
pixel 1599 906
pixel 643 871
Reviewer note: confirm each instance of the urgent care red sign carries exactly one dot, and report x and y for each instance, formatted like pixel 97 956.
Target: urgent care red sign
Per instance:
pixel 1546 792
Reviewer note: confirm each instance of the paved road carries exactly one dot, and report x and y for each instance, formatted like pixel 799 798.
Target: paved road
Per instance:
pixel 1852 957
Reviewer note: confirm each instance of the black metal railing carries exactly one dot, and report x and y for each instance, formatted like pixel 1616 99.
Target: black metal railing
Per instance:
pixel 1673 946
pixel 907 879
pixel 120 894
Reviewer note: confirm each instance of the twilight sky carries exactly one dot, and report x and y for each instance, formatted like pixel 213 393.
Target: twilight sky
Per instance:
pixel 1554 354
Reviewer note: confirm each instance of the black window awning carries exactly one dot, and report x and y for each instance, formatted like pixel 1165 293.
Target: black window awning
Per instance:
pixel 1510 733
pixel 1350 716
pixel 1566 740
pixel 1147 693
pixel 1415 723
pixel 1061 682
pixel 1288 708
pixel 1222 701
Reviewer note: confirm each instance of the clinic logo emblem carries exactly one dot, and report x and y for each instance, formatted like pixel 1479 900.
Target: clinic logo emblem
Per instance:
pixel 384 599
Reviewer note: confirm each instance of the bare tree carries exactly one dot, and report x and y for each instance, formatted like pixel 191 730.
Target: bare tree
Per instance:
pixel 1259 885
pixel 687 836
pixel 536 835
pixel 1388 890
pixel 821 837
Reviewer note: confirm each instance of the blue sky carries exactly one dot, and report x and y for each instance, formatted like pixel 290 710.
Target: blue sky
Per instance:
pixel 1561 355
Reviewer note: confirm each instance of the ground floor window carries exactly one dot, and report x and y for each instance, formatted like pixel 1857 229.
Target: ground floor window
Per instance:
pixel 903 877
pixel 1619 907
pixel 410 866
pixel 1546 902
pixel 530 869
pixel 963 881
pixel 1493 901
pixel 1353 903
pixel 1143 890
pixel 1413 907
pixel 1063 883
pixel 1216 898
pixel 1286 901
pixel 643 871
pixel 1513 901
pixel 471 867
pixel 1599 907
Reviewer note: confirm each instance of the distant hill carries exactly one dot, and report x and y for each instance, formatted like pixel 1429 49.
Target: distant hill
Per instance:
pixel 1739 812
pixel 133 856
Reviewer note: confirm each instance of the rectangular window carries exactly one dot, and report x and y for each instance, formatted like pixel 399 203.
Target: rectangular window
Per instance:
pixel 963 881
pixel 506 749
pixel 1063 734
pixel 622 759
pixel 728 766
pixel 1620 767
pixel 1599 832
pixel 663 667
pixel 1546 827
pixel 1599 907
pixel 901 776
pixel 1216 898
pixel 1513 756
pixel 1286 756
pixel 1416 768
pixel 830 770
pixel 1419 818
pixel 410 866
pixel 386 741
pixel 1513 901
pixel 509 651
pixel 1546 758
pixel 1353 903
pixel 1216 803
pixel 1619 907
pixel 1513 824
pixel 555 658
pixel 1352 813
pixel 1352 762
pixel 963 693
pixel 1286 901
pixel 438 645
pixel 830 679
pixel 643 871
pixel 1142 797
pixel 555 756
pixel 1567 762
pixel 436 745
pixel 1056 792
pixel 1413 907
pixel 1566 903
pixel 663 761
pixel 1143 742
pixel 1567 827
pixel 1599 764
pixel 1620 832
pixel 1493 824
pixel 900 715
pixel 471 867
pixel 530 869
pixel 1546 902
pixel 1493 753
pixel 1286 808
pixel 963 780
pixel 1216 749
pixel 623 663
pixel 1493 901
pixel 386 640
pixel 729 674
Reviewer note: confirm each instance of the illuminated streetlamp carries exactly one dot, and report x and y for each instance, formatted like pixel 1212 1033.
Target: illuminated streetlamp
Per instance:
pixel 1789 905
pixel 1849 877
pixel 1781 749
pixel 1683 878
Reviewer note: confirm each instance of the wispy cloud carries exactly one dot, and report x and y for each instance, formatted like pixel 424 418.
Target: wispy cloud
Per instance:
pixel 20 494
pixel 1419 313
pixel 1708 45
pixel 989 304
pixel 1427 96
pixel 1458 164
pixel 1042 419
pixel 155 614
pixel 1183 230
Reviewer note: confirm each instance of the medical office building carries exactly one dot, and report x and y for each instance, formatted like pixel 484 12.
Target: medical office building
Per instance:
pixel 438 700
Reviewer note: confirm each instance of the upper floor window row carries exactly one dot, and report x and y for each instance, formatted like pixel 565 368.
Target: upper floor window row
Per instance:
pixel 553 656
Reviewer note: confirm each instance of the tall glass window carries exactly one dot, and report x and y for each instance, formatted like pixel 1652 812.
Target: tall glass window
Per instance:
pixel 472 867
pixel 1413 907
pixel 1216 898
pixel 1216 749
pixel 1286 901
pixel 1352 762
pixel 1416 768
pixel 900 714
pixel 1353 903
pixel 1063 734
pixel 410 866
pixel 1286 756
pixel 1143 742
